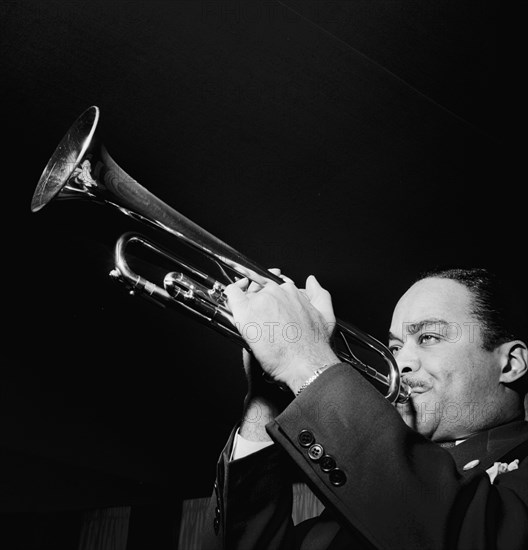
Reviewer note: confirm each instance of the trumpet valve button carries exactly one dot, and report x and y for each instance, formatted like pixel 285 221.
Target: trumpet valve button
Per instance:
pixel 216 293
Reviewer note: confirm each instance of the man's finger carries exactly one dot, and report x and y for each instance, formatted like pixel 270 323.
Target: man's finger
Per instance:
pixel 255 287
pixel 236 297
pixel 286 279
pixel 242 283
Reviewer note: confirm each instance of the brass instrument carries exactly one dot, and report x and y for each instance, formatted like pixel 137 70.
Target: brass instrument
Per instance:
pixel 81 167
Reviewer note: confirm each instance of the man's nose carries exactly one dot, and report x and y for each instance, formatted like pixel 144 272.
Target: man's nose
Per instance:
pixel 407 360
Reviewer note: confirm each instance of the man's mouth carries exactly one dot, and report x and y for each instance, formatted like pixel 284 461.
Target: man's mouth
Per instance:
pixel 417 386
pixel 415 391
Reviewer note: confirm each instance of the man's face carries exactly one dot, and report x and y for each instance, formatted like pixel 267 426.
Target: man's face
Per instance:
pixel 438 346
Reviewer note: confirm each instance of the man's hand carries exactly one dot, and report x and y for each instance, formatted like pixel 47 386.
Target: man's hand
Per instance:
pixel 264 399
pixel 288 335
pixel 259 383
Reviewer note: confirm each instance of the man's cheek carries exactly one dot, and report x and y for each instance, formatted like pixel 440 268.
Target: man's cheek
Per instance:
pixel 428 410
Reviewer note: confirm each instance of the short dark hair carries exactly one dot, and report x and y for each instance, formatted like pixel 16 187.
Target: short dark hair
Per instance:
pixel 495 303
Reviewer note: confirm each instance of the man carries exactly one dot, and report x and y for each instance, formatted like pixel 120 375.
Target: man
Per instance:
pixel 450 471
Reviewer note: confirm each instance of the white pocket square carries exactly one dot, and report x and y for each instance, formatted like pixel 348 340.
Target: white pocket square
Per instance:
pixel 501 468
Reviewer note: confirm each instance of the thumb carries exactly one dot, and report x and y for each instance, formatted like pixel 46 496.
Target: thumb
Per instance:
pixel 313 288
pixel 320 298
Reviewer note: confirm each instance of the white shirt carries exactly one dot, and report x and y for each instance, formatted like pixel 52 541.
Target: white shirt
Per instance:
pixel 243 447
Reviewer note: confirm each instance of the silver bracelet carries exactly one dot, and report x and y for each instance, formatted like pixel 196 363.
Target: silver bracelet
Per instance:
pixel 312 378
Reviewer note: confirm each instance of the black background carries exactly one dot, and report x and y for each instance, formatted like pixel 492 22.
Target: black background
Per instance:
pixel 359 141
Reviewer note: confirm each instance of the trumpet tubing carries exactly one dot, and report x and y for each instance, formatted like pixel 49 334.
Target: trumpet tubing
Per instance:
pixel 82 168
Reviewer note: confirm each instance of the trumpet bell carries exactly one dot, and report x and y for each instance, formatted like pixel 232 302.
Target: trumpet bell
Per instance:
pixel 65 159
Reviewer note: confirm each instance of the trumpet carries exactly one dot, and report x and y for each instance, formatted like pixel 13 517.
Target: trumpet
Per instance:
pixel 81 167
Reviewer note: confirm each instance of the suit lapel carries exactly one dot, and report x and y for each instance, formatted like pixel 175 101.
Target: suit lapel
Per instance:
pixel 490 446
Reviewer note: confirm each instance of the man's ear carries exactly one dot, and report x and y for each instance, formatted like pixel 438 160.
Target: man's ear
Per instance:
pixel 514 361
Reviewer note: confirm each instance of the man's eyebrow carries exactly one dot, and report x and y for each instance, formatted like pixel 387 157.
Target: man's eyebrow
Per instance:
pixel 393 337
pixel 414 328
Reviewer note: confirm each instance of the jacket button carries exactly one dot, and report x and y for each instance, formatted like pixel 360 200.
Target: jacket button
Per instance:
pixel 316 451
pixel 327 463
pixel 216 525
pixel 471 464
pixel 337 477
pixel 306 438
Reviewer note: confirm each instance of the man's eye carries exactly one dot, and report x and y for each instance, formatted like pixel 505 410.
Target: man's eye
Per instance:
pixel 428 339
pixel 394 349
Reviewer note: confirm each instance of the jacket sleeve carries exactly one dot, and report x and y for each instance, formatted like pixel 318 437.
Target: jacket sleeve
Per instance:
pixel 397 488
pixel 251 505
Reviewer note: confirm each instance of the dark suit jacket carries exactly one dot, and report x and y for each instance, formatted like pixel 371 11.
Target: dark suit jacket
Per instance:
pixel 383 485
